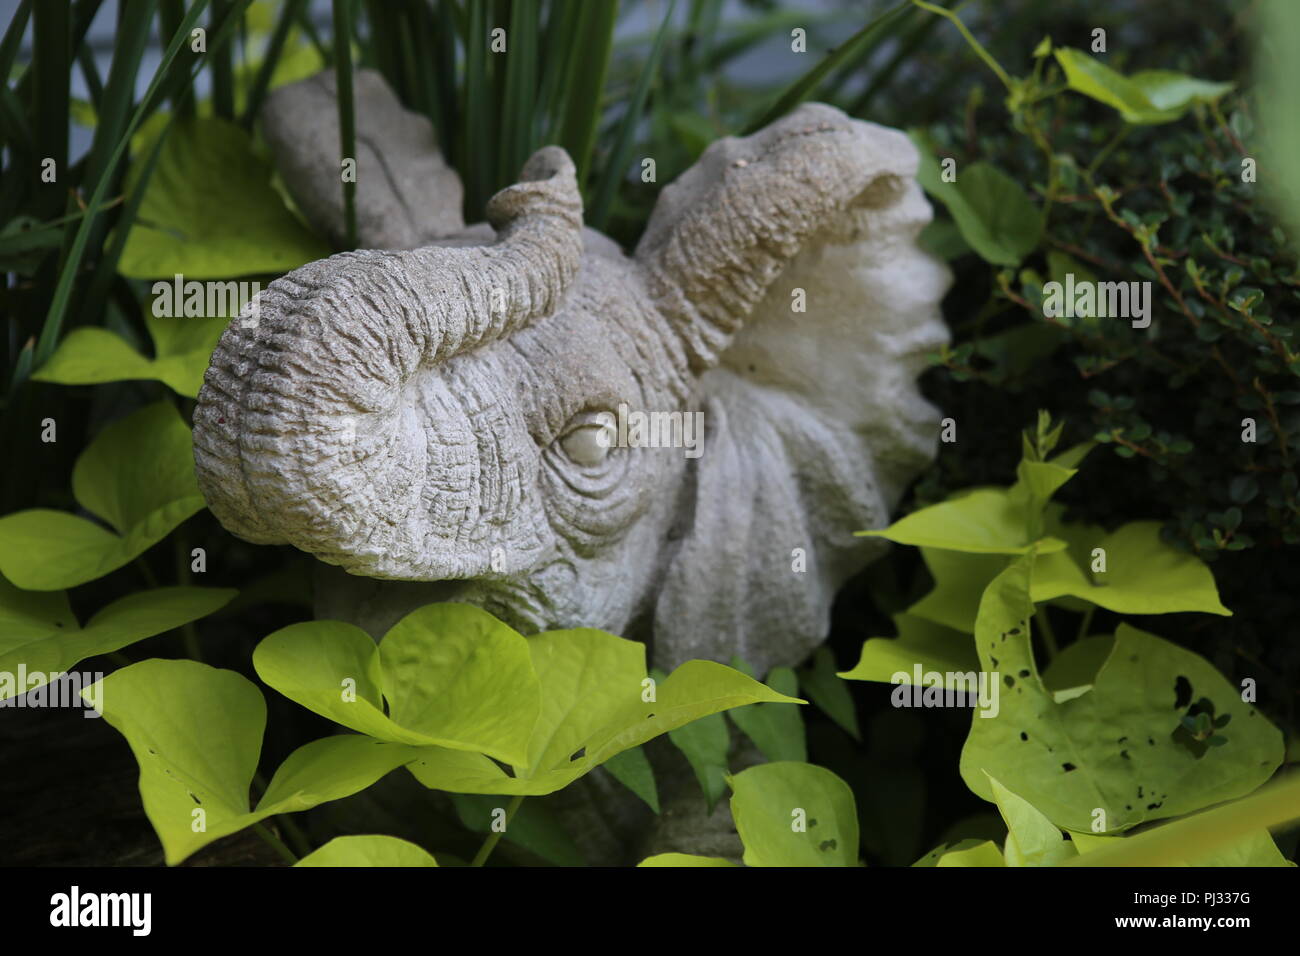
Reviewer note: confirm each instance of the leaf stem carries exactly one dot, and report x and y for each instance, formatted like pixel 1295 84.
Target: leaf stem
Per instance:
pixel 1086 622
pixel 1045 627
pixel 495 836
pixel 275 843
pixel 975 44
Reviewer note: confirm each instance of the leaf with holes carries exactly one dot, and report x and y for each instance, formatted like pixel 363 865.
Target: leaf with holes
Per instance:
pixel 794 814
pixel 1118 743
pixel 593 687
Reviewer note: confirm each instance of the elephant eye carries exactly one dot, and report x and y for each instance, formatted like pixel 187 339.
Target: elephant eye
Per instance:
pixel 588 442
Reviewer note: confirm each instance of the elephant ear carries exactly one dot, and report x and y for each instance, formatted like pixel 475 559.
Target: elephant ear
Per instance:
pixel 406 196
pixel 788 263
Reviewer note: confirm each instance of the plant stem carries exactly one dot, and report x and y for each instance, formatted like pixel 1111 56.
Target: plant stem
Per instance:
pixel 188 632
pixel 1045 626
pixel 975 44
pixel 275 843
pixel 495 836
pixel 1086 622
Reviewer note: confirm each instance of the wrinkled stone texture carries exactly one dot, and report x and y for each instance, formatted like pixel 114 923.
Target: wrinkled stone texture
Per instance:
pixel 406 195
pixel 416 414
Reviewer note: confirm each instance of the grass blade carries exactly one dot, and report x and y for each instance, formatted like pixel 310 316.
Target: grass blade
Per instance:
pixel 274 50
pixel 520 86
pixel 806 85
pixel 586 69
pixel 347 113
pixel 622 152
pixel 54 318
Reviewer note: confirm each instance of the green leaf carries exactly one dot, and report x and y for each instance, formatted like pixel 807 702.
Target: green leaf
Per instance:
pixel 705 743
pixel 684 859
pixel 1143 574
pixel 825 689
pixel 182 349
pixel 1116 746
pixel 209 211
pixel 980 855
pixel 138 475
pixel 593 707
pixel 794 814
pixel 982 521
pixel 196 733
pixel 374 850
pixel 40 634
pixel 776 729
pixel 959 583
pixel 1235 834
pixel 1032 839
pixel 920 643
pixel 445 670
pixel 995 215
pixel 632 769
pixel 1145 98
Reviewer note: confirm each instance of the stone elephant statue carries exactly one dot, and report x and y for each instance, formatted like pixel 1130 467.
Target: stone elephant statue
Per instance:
pixel 446 414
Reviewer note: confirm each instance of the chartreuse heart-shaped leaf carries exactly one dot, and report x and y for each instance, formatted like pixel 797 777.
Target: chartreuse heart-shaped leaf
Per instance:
pixel 597 701
pixel 1142 575
pixel 684 859
pixel 137 475
pixel 182 348
pixel 1119 744
pixel 196 733
pixel 453 676
pixel 40 636
pixel 368 851
pixel 981 521
pixel 209 210
pixel 1148 97
pixel 1032 839
pixel 794 814
pixel 935 648
pixel 964 853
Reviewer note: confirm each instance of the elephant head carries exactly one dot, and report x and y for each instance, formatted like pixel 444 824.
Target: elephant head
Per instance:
pixel 435 420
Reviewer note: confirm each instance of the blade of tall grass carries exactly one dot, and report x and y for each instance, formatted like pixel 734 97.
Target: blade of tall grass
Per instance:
pixel 90 73
pixel 54 318
pixel 880 79
pixel 518 121
pixel 616 167
pixel 559 40
pixel 13 39
pixel 347 112
pixel 444 31
pixel 807 85
pixel 171 14
pixel 476 149
pixel 51 77
pixel 579 105
pixel 291 12
pixel 223 65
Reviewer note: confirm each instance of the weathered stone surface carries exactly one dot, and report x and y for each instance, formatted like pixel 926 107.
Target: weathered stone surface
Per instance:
pixel 429 419
pixel 406 196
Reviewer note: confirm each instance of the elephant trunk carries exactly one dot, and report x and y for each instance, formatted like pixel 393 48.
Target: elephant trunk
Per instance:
pixel 307 430
pixel 722 233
